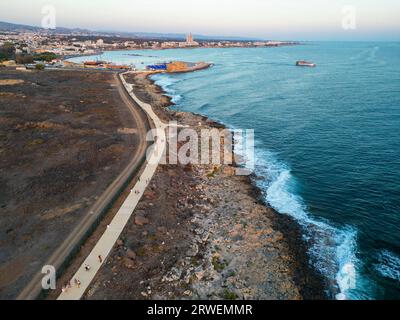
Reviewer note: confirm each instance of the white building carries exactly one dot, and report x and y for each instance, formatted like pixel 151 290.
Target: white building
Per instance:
pixel 190 41
pixel 100 42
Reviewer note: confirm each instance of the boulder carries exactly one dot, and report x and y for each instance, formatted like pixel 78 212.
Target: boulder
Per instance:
pixel 141 220
pixel 131 254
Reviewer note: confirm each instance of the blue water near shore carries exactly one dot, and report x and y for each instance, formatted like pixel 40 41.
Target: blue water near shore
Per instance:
pixel 327 145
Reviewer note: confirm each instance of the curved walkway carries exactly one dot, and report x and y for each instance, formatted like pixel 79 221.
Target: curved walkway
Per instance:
pixel 84 276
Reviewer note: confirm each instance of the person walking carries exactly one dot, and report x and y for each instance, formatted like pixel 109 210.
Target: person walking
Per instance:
pixel 77 283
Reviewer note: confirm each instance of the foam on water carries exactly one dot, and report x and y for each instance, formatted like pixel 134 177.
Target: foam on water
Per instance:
pixel 332 250
pixel 166 82
pixel 389 265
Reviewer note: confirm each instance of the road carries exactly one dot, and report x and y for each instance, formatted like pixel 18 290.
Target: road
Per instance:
pixel 97 257
pixel 71 244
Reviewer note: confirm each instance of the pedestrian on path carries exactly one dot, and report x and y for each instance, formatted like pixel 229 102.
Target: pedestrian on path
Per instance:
pixel 77 283
pixel 100 259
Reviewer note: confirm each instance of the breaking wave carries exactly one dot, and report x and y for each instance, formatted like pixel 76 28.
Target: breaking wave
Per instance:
pixel 167 82
pixel 332 250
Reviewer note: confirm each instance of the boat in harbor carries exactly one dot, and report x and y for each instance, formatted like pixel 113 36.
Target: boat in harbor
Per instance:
pixel 303 63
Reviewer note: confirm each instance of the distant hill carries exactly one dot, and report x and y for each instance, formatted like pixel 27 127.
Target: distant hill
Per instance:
pixel 13 27
pixel 6 26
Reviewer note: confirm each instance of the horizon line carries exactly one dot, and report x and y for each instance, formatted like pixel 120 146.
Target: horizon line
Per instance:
pixel 216 37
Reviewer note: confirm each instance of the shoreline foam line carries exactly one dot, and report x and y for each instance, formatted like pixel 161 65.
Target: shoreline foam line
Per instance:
pixel 98 256
pixel 331 250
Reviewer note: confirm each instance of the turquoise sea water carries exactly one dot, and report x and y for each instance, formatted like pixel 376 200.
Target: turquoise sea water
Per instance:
pixel 327 145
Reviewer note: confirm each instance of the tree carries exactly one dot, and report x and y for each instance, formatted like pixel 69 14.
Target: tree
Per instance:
pixel 7 51
pixel 45 56
pixel 24 59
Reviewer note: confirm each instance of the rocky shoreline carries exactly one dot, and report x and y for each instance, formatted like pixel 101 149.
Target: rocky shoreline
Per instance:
pixel 201 232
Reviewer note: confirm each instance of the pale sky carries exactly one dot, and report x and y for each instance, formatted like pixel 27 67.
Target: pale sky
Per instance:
pixel 267 19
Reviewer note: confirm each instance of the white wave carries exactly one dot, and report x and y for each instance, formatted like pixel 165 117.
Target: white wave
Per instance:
pixel 166 82
pixel 369 55
pixel 389 265
pixel 346 276
pixel 332 250
pixel 176 98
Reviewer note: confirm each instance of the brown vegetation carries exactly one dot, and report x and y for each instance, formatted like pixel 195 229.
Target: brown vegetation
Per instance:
pixel 60 147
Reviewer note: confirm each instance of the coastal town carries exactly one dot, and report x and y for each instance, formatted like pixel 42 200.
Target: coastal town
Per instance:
pixel 86 44
pixel 34 48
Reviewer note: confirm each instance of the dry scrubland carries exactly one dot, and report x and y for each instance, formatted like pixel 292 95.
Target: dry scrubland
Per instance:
pixel 62 141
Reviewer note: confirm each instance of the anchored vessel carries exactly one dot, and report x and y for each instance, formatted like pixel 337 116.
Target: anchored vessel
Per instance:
pixel 303 63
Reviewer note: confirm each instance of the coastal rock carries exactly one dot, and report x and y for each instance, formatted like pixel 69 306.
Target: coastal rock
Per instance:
pixel 140 220
pixel 131 254
pixel 150 195
pixel 128 263
pixel 174 275
pixel 193 251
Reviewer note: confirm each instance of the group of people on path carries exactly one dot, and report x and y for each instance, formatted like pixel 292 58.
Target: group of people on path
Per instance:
pixel 77 282
pixel 137 191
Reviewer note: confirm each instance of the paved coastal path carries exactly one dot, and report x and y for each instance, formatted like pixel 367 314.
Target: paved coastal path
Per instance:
pixel 88 270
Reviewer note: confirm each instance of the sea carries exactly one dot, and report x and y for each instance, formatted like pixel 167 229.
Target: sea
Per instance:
pixel 327 147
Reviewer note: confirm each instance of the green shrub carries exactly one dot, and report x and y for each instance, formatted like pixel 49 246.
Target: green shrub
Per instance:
pixel 39 67
pixel 229 295
pixel 217 264
pixel 45 56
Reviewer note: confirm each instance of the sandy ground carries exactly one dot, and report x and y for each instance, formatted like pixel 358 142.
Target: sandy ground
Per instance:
pixel 202 232
pixel 63 139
